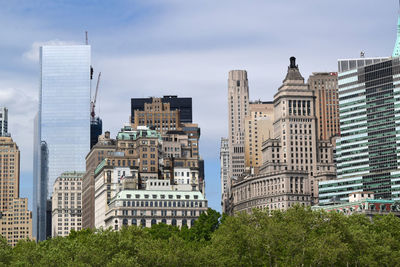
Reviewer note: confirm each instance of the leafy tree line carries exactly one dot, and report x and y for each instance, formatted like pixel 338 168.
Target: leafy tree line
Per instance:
pixel 297 237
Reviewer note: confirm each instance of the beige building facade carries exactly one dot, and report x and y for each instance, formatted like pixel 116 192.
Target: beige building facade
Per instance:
pixel 66 200
pixel 258 128
pixel 158 115
pixel 238 108
pixel 15 219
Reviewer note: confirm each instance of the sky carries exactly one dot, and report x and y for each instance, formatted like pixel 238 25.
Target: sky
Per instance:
pixel 185 48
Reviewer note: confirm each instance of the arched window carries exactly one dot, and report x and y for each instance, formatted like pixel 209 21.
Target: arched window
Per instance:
pixel 143 222
pixel 192 222
pixel 153 221
pixel 173 222
pixel 134 222
pixel 125 222
pixel 184 222
pixel 164 221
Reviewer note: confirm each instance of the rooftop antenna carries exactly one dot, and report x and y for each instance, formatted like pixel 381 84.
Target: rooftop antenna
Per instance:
pixel 86 35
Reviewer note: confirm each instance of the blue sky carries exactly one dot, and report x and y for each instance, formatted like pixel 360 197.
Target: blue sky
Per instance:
pixel 182 47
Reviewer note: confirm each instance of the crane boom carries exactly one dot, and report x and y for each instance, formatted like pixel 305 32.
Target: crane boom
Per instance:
pixel 93 104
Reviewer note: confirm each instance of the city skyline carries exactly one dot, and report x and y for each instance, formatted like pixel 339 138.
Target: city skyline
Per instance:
pixel 177 53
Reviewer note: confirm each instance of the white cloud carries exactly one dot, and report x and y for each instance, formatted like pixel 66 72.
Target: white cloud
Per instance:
pixel 21 100
pixel 33 53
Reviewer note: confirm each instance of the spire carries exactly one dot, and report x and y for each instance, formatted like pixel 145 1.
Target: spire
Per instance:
pixel 293 72
pixel 396 50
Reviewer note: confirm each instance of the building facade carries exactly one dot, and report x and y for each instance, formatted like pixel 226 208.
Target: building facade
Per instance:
pixel 16 222
pixel 224 167
pixel 367 151
pixel 4 121
pixel 148 207
pixel 62 127
pixel 238 103
pixel 326 103
pixel 363 203
pixel 148 108
pixel 105 147
pixel 67 204
pixel 258 128
pixel 292 165
pixel 15 219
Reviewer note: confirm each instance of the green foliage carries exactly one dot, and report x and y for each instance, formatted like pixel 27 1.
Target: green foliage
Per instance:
pixel 297 237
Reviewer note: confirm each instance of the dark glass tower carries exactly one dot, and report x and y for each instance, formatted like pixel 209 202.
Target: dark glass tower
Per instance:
pixel 96 128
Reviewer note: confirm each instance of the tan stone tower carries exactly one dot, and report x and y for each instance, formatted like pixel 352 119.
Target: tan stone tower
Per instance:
pixel 15 219
pixel 238 105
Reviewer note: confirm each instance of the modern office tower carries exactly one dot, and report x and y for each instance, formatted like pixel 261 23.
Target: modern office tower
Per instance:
pixel 4 121
pixel 367 154
pixel 238 103
pixel 149 108
pixel 15 219
pixel 96 128
pixel 258 128
pixel 63 124
pixel 67 203
pixel 291 165
pixel 105 147
pixel 326 103
pixel 224 161
pixel 354 63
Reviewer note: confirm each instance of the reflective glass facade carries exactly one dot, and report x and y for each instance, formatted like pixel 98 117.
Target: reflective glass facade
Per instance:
pixel 368 153
pixel 63 123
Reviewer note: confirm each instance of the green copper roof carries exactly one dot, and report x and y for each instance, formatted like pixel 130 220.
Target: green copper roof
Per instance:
pixel 101 165
pixel 129 134
pixel 396 50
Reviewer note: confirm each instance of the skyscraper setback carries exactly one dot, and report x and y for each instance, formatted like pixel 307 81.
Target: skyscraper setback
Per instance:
pixel 62 127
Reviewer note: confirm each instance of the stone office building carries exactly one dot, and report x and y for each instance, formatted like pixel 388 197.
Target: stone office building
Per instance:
pixel 292 159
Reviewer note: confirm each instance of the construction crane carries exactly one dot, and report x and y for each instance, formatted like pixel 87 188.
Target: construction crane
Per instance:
pixel 93 102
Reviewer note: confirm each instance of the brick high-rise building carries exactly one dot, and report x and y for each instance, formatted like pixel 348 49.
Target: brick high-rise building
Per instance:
pixel 15 219
pixel 325 86
pixel 102 149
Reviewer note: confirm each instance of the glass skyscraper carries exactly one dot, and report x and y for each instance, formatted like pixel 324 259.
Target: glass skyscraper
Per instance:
pixel 368 153
pixel 62 127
